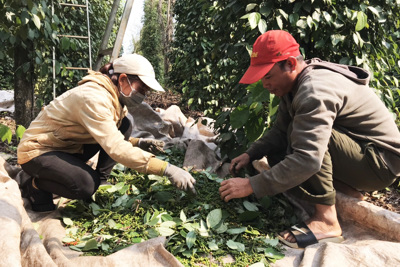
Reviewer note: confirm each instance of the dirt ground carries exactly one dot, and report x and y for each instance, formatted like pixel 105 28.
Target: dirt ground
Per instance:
pixel 388 198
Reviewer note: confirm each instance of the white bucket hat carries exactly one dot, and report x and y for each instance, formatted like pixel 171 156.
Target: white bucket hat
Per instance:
pixel 135 64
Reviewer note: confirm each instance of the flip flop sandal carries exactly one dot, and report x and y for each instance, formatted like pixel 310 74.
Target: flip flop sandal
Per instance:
pixel 304 237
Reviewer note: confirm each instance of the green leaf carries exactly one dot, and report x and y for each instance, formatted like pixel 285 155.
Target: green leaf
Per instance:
pixel 279 22
pixel 182 216
pixel 152 233
pixel 135 190
pixel 235 245
pixel 166 218
pixel 361 21
pixel 293 18
pixel 112 224
pixel 95 208
pixel 203 231
pixel 254 128
pixel 301 23
pixel 190 239
pixel 165 231
pixel 90 245
pixel 153 221
pixel 250 7
pixel 24 17
pixel 68 221
pixel 259 93
pixel 283 13
pixel 214 218
pixel 262 26
pixel 254 18
pixel 250 206
pixel 235 231
pixel 265 10
pixel 337 38
pixel 239 116
pixel 327 17
pixel 36 20
pixel 212 245
pixel 272 253
pixel 146 217
pixel 272 242
pixel 374 11
pixel 221 228
pixel 266 202
pixel 169 224
pixel 65 43
pixel 5 133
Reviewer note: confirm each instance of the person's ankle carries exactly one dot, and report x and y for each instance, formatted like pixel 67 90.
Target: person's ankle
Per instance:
pixel 348 190
pixel 41 201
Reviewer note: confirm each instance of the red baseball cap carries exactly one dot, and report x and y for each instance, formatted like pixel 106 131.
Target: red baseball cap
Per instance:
pixel 269 48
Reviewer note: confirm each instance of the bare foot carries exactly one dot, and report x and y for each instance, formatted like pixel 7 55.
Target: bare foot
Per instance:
pixel 323 224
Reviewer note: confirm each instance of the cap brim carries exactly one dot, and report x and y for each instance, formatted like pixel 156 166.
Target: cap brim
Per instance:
pixel 152 83
pixel 255 73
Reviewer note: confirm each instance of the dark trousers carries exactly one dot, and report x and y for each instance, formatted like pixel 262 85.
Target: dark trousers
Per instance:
pixel 352 162
pixel 68 175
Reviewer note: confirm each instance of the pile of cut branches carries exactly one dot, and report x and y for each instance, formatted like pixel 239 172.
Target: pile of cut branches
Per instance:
pixel 137 207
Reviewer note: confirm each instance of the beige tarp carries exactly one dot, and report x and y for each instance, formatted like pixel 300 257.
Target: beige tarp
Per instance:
pixel 34 239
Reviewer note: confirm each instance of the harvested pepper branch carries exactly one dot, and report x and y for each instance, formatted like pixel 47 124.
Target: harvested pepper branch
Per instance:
pixel 138 207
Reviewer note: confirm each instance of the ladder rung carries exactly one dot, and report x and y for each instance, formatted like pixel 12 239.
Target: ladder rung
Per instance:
pixel 74 68
pixel 73 36
pixel 75 5
pixel 106 52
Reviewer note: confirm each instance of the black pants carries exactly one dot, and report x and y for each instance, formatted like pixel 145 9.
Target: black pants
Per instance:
pixel 68 175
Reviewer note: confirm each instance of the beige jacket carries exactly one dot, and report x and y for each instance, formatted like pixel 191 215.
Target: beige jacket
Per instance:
pixel 87 114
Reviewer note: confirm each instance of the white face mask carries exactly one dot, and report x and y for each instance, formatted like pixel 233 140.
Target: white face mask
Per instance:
pixel 132 100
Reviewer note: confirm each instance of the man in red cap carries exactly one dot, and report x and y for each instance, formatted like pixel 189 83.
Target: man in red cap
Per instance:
pixel 331 129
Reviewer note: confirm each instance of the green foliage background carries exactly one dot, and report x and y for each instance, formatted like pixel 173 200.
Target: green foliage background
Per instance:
pixel 73 52
pixel 150 45
pixel 25 21
pixel 213 38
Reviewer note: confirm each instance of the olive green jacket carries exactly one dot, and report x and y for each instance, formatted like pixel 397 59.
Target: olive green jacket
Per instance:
pixel 87 114
pixel 325 96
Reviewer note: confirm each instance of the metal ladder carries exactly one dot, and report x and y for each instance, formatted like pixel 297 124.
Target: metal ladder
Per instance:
pixel 113 51
pixel 103 50
pixel 86 6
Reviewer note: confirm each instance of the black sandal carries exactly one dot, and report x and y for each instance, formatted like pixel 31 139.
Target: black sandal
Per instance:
pixel 305 237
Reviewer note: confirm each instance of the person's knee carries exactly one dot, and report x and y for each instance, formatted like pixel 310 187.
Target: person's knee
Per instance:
pixel 87 189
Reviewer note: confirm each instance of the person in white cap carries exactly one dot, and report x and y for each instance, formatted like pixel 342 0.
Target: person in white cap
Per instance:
pixel 85 120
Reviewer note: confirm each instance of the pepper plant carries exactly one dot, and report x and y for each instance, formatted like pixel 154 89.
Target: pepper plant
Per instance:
pixel 213 40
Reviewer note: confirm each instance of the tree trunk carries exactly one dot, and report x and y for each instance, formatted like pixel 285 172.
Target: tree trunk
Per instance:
pixel 162 28
pixel 168 34
pixel 23 85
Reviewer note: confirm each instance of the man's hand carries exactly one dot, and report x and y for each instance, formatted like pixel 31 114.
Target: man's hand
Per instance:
pixel 238 163
pixel 180 178
pixel 151 145
pixel 235 188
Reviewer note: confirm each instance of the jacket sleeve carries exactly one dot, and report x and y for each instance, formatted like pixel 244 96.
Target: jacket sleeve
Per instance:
pixel 314 114
pixel 98 117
